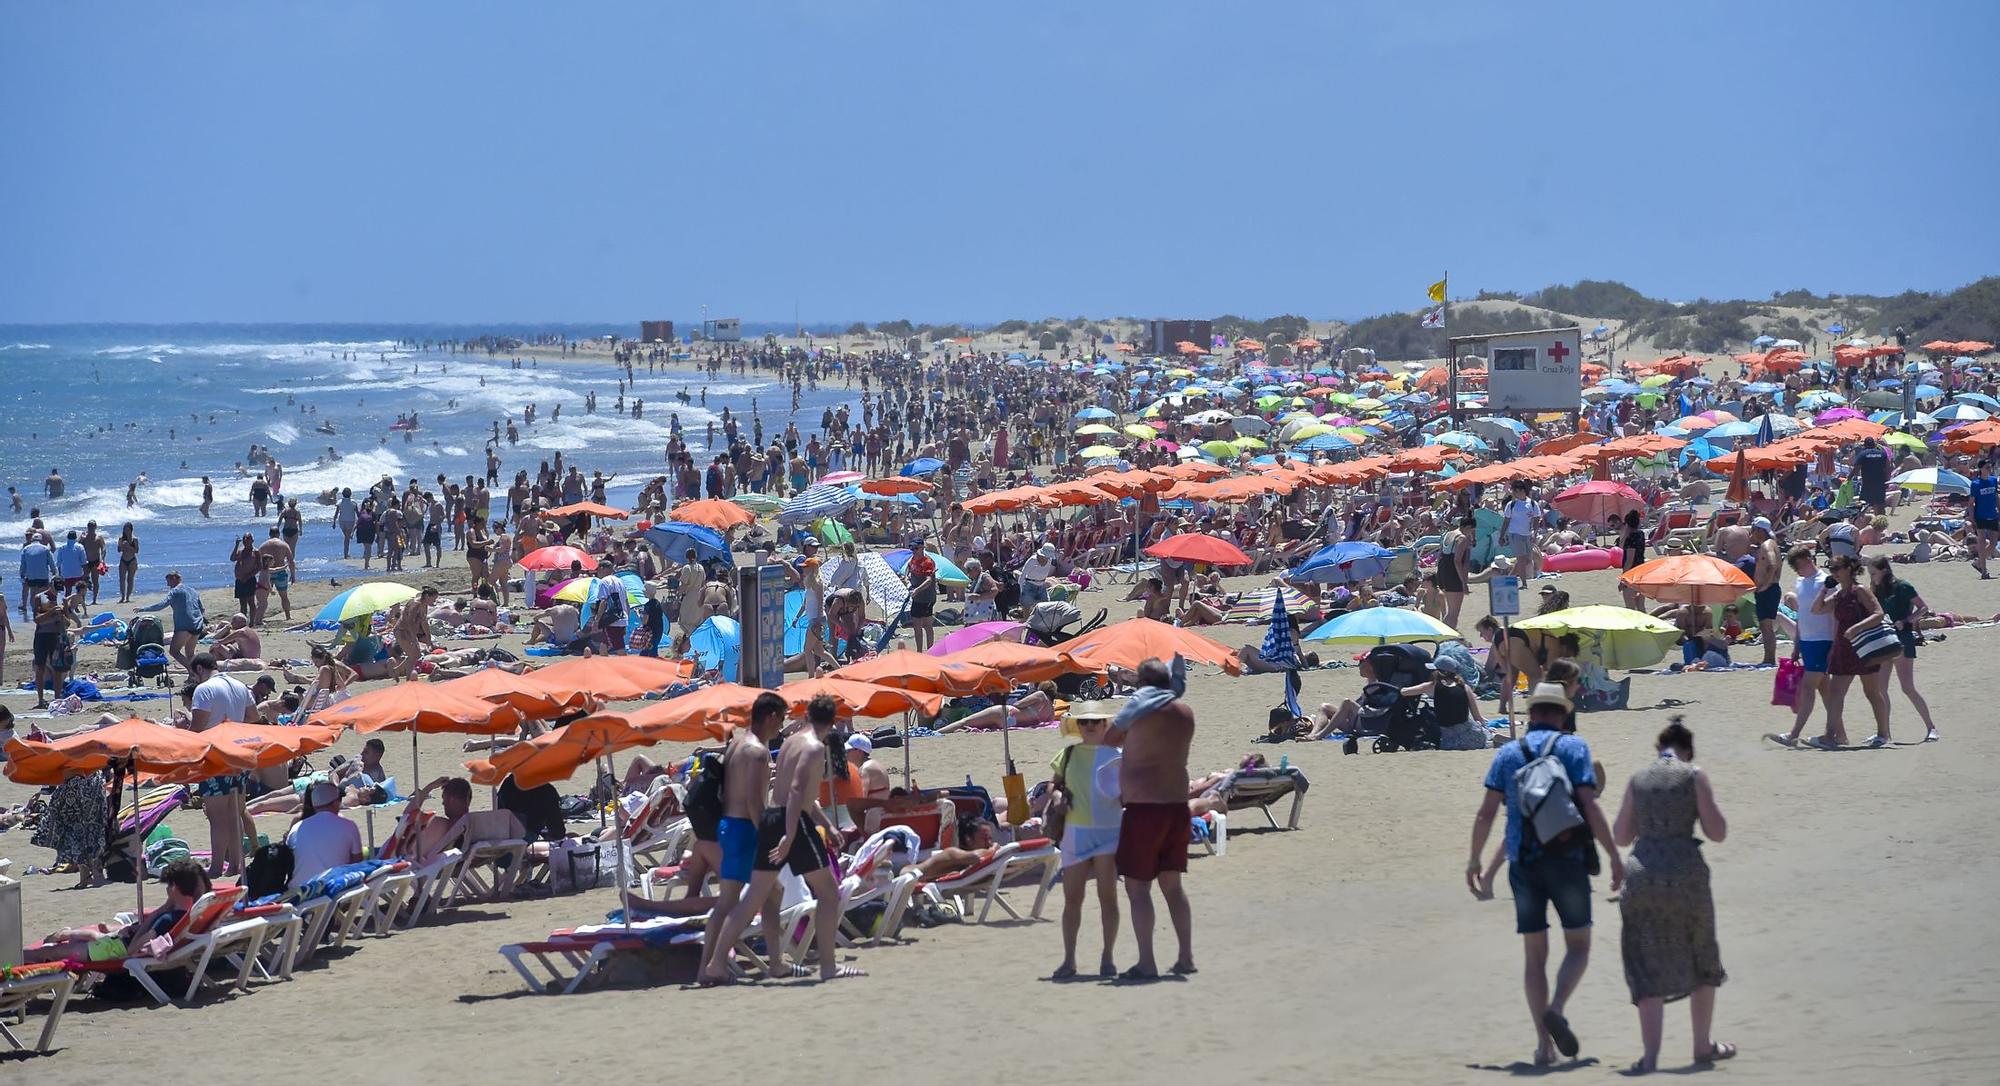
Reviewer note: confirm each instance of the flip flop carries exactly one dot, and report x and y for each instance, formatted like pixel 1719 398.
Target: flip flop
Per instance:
pixel 1559 1032
pixel 1717 1050
pixel 1063 972
pixel 1133 976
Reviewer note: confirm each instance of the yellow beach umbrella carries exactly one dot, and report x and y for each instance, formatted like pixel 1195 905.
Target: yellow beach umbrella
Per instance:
pixel 1095 451
pixel 1139 432
pixel 1095 428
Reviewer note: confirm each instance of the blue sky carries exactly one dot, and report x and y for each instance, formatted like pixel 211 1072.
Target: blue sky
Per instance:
pixel 446 161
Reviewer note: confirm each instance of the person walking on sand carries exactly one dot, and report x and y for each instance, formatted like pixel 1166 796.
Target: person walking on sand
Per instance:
pixel 1153 830
pixel 1542 873
pixel 1083 774
pixel 1812 646
pixel 746 785
pixel 1667 930
pixel 1904 606
pixel 788 835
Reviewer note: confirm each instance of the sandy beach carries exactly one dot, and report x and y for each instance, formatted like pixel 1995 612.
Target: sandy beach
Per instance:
pixel 1851 890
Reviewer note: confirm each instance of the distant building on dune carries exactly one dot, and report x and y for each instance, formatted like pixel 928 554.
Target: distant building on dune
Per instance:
pixel 656 331
pixel 1163 336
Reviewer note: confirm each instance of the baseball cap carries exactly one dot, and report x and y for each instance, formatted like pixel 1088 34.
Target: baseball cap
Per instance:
pixel 861 743
pixel 1761 522
pixel 325 794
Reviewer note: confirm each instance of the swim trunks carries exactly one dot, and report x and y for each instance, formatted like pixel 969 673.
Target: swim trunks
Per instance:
pixel 1153 837
pixel 281 580
pixel 738 838
pixel 807 854
pixel 1768 600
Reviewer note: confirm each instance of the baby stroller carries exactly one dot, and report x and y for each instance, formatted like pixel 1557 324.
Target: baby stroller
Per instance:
pixel 1049 625
pixel 143 656
pixel 1398 722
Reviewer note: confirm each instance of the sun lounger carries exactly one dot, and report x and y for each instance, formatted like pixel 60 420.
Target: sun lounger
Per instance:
pixel 490 870
pixel 207 932
pixel 572 957
pixel 27 984
pixel 984 878
pixel 1260 788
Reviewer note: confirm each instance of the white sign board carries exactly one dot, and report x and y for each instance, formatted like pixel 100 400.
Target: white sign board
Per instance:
pixel 1535 371
pixel 1503 596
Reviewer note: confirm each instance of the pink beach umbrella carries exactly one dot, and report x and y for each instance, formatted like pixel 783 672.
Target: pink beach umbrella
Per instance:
pixel 1826 417
pixel 978 633
pixel 841 478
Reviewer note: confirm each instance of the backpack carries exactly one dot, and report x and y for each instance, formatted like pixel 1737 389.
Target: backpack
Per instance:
pixel 1543 790
pixel 269 871
pixel 704 791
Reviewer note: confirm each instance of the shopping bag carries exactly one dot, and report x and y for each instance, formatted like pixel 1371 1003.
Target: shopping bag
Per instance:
pixel 1785 687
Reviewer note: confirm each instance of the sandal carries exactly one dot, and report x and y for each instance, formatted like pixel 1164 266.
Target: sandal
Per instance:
pixel 1560 1033
pixel 1717 1050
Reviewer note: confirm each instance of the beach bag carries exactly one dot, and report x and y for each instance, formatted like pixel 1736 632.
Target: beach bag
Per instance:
pixel 704 790
pixel 269 871
pixel 577 865
pixel 1785 687
pixel 1055 816
pixel 1877 642
pixel 1545 798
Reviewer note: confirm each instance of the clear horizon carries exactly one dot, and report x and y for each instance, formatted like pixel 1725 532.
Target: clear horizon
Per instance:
pixel 380 164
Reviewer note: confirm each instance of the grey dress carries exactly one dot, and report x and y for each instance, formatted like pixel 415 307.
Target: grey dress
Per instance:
pixel 1669 916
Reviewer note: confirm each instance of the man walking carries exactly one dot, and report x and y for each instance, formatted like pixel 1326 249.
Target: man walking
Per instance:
pixel 1542 873
pixel 746 784
pixel 1153 831
pixel 1985 517
pixel 1813 646
pixel 1768 594
pixel 787 835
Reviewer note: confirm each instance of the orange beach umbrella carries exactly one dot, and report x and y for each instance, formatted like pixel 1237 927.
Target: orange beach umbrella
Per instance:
pixel 1700 579
pixel 908 670
pixel 593 509
pixel 1130 643
pixel 714 513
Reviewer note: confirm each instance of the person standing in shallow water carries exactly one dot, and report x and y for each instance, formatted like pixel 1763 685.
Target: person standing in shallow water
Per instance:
pixel 1666 909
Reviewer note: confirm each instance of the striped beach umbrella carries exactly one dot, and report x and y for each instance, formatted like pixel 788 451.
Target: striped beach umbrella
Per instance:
pixel 817 501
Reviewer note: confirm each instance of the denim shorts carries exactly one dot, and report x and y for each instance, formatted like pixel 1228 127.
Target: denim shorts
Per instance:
pixel 1560 880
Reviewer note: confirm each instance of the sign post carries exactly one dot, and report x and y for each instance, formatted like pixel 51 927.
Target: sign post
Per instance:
pixel 760 615
pixel 1503 601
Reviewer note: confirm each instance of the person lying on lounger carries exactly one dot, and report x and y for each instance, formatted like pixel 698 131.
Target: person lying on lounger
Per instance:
pixel 1032 708
pixel 186 881
pixel 977 833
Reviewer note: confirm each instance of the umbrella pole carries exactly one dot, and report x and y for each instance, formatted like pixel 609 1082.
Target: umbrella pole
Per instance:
pixel 624 884
pixel 138 844
pixel 906 751
pixel 416 772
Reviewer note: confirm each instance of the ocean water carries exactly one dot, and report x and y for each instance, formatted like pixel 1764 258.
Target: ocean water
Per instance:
pixel 107 404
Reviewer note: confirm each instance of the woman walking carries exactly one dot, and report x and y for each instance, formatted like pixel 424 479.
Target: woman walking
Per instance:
pixel 128 562
pixel 1668 914
pixel 1900 601
pixel 1854 608
pixel 73 825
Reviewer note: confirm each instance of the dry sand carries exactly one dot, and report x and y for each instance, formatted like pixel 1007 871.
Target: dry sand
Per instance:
pixel 1852 896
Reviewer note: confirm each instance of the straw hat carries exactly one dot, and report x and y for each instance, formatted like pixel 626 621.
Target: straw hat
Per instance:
pixel 1096 710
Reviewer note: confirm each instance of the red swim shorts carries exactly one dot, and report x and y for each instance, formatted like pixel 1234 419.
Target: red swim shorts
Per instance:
pixel 1152 837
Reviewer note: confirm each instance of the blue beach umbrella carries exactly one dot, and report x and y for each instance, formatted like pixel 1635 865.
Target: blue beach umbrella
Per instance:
pixel 1344 563
pixel 1382 626
pixel 923 465
pixel 717 643
pixel 674 537
pixel 947 571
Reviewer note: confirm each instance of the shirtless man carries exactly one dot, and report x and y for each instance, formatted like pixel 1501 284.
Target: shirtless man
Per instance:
pixel 1768 593
pixel 93 557
pixel 787 836
pixel 746 784
pixel 1733 542
pixel 1153 834
pixel 239 641
pixel 275 574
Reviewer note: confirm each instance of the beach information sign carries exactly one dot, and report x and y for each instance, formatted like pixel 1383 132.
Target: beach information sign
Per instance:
pixel 760 595
pixel 1535 371
pixel 1503 597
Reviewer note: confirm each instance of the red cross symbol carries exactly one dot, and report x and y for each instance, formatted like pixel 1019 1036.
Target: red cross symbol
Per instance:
pixel 1559 352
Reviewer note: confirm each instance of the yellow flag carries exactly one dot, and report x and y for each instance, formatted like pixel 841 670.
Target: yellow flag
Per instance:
pixel 1437 292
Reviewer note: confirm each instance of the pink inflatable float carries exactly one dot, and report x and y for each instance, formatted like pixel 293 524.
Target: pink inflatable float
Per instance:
pixel 1580 560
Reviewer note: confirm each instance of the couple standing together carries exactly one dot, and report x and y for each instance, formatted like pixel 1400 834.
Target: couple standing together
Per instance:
pixel 1122 797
